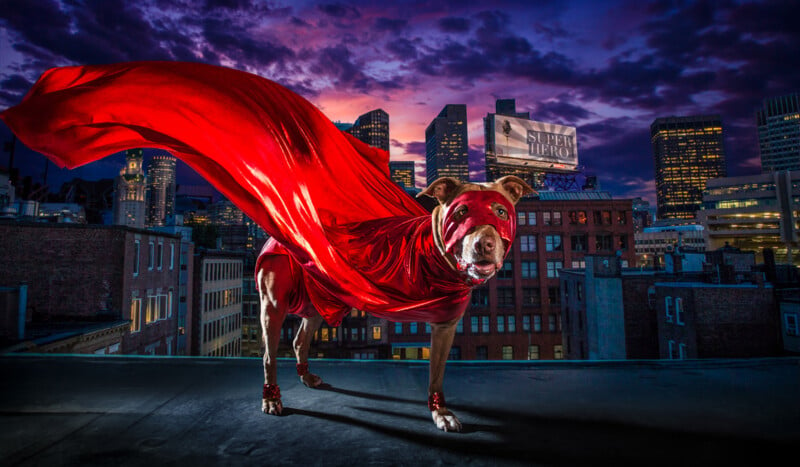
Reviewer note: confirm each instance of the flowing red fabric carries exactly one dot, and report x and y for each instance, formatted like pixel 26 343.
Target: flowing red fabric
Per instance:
pixel 326 197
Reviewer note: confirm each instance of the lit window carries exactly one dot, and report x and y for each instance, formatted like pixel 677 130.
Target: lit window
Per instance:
pixel 136 314
pixel 508 352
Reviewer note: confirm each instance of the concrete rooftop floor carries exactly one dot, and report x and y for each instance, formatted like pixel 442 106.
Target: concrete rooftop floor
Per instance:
pixel 127 411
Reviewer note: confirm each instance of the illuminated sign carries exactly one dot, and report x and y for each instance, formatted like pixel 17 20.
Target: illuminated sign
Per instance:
pixel 528 143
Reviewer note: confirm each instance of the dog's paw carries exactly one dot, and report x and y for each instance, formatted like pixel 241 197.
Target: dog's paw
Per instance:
pixel 446 420
pixel 311 380
pixel 271 407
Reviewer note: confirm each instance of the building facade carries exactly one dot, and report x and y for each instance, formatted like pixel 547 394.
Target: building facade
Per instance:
pixel 688 152
pixel 96 273
pixel 129 187
pixel 754 212
pixel 652 243
pixel 160 190
pixel 517 314
pixel 216 322
pixel 779 133
pixel 403 173
pixel 373 129
pixel 446 144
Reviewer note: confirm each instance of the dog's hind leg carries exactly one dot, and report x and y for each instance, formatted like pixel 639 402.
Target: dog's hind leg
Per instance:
pixel 301 344
pixel 273 295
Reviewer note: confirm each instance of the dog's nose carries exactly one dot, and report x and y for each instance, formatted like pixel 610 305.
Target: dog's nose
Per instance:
pixel 485 245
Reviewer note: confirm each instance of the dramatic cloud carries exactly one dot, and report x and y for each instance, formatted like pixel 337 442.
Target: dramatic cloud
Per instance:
pixel 609 68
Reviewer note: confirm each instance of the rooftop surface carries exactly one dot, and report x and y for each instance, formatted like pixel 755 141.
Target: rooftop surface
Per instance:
pixel 128 411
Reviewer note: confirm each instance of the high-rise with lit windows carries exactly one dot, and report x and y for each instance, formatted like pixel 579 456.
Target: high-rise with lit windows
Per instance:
pixel 779 133
pixel 402 173
pixel 129 188
pixel 160 190
pixel 688 151
pixel 446 144
pixel 373 129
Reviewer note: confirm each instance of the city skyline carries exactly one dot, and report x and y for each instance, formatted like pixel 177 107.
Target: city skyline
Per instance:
pixel 609 69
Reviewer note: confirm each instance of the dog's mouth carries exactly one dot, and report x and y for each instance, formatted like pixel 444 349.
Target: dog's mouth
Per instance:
pixel 484 268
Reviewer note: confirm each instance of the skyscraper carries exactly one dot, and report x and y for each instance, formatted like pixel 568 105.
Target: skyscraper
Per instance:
pixel 373 129
pixel 495 169
pixel 402 173
pixel 160 190
pixel 129 188
pixel 688 152
pixel 446 144
pixel 779 133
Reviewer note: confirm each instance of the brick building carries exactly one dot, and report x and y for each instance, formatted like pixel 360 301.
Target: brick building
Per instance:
pixel 215 327
pixel 94 273
pixel 517 315
pixel 710 309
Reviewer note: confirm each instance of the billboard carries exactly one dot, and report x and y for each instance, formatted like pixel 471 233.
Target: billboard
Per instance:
pixel 531 144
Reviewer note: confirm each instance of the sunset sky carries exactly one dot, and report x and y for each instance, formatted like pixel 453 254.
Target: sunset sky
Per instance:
pixel 607 67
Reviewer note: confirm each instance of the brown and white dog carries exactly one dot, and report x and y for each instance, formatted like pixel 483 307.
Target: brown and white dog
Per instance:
pixel 476 250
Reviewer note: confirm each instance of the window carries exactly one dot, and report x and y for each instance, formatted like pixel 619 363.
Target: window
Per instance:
pixel 530 297
pixel 553 267
pixel 558 352
pixel 162 306
pixel 481 352
pixel 526 323
pixel 160 255
pixel 553 295
pixel 606 217
pixel 505 296
pixel 551 218
pixel 427 328
pixel 485 324
pixel 579 242
pixel 533 352
pixel 136 314
pixel 507 271
pixel 529 270
pixel 679 311
pixel 552 243
pixel 501 323
pixel 527 243
pixel 604 242
pixel 597 217
pixel 412 328
pixel 551 323
pixel 622 244
pixel 136 250
pixel 325 334
pixel 460 326
pixel 151 314
pixel 537 323
pixel 151 259
pixel 791 323
pixel 376 333
pixel 682 351
pixel 511 321
pixel 455 353
pixel 473 321
pixel 508 352
pixel 622 217
pixel 577 217
pixel 480 297
pixel 671 349
pixel 668 309
pixel 526 218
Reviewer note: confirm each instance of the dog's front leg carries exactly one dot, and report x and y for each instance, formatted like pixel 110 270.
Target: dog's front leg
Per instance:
pixel 441 340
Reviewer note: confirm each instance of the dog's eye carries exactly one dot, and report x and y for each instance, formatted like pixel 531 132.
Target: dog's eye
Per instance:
pixel 501 213
pixel 460 212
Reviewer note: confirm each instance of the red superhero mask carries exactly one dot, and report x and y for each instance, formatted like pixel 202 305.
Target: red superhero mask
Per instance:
pixel 479 212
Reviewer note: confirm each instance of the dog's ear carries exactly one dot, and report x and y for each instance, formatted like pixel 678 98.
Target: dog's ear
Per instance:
pixel 441 189
pixel 515 187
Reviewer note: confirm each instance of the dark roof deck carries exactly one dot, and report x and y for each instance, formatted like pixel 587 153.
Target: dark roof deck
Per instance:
pixel 121 411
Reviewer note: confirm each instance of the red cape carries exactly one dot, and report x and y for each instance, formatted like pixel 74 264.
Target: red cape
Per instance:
pixel 273 154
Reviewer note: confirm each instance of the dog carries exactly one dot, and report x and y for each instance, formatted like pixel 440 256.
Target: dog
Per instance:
pixel 472 230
